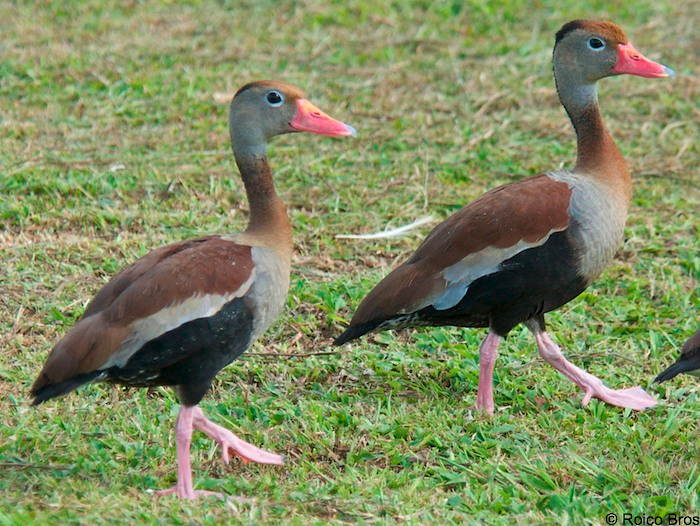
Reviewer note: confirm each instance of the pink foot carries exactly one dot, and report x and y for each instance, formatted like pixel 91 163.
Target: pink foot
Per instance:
pixel 183 439
pixel 192 416
pixel 183 494
pixel 487 360
pixel 484 406
pixel 231 443
pixel 484 401
pixel 635 397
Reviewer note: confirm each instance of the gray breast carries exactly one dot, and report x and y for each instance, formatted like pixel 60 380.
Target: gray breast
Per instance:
pixel 268 294
pixel 598 221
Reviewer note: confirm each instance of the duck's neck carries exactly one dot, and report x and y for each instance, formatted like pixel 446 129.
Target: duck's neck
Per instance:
pixel 597 154
pixel 268 218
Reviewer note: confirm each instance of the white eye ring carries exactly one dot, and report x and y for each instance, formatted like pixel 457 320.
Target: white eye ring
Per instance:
pixel 274 98
pixel 596 44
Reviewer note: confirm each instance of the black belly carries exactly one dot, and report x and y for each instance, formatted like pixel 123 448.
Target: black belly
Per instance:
pixel 190 355
pixel 526 286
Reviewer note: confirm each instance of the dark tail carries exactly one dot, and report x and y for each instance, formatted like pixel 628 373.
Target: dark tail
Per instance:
pixel 681 366
pixel 352 333
pixel 52 390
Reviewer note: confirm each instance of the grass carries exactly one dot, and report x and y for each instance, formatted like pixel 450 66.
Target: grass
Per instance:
pixel 114 144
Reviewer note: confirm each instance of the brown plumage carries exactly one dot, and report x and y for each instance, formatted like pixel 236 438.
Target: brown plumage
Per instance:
pixel 290 90
pixel 181 313
pixel 526 211
pixel 608 30
pixel 527 248
pixel 167 276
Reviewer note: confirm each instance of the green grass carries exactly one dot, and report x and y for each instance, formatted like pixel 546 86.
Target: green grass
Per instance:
pixel 113 144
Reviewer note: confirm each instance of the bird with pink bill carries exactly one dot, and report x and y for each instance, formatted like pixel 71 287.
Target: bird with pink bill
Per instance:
pixel 529 247
pixel 184 311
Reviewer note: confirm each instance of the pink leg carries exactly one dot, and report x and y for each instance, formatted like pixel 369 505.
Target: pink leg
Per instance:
pixel 183 439
pixel 230 442
pixel 487 360
pixel 634 397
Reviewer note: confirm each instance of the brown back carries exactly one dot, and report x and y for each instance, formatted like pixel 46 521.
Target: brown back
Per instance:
pixel 526 210
pixel 164 277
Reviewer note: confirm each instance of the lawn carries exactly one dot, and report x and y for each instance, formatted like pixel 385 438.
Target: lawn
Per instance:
pixel 114 141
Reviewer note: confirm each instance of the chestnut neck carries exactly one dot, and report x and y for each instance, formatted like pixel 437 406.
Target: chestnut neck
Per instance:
pixel 268 218
pixel 597 154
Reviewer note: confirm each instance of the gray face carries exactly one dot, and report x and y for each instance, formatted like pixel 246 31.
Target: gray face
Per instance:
pixel 585 55
pixel 263 111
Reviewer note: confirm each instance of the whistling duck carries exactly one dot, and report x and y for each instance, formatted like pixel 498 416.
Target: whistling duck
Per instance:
pixel 688 361
pixel 181 313
pixel 527 248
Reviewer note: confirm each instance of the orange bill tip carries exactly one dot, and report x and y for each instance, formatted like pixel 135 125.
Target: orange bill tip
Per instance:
pixel 309 118
pixel 632 62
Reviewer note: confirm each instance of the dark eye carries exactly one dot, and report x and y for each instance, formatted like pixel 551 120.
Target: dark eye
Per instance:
pixel 596 44
pixel 274 98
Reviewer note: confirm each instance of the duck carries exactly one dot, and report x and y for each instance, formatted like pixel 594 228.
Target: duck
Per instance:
pixel 183 312
pixel 688 362
pixel 527 248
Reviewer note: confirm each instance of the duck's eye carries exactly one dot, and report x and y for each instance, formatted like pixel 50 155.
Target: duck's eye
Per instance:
pixel 274 98
pixel 596 44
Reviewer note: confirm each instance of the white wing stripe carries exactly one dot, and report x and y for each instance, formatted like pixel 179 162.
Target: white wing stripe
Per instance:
pixel 171 317
pixel 474 266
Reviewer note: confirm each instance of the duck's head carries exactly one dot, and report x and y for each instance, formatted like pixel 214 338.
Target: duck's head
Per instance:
pixel 590 50
pixel 262 109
